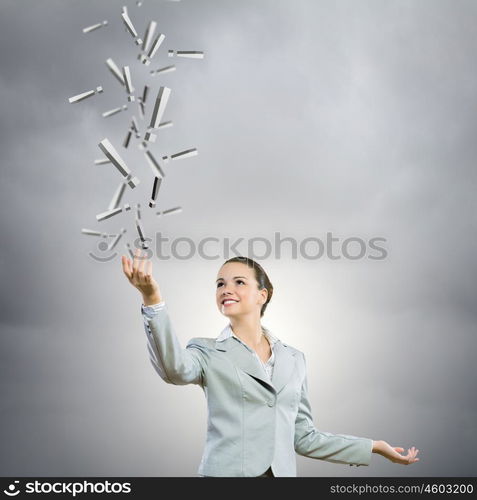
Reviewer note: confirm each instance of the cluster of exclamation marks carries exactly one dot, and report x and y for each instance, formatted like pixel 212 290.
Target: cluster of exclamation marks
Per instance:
pixel 144 135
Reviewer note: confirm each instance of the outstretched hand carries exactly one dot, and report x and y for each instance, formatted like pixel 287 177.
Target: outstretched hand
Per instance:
pixel 139 274
pixel 393 453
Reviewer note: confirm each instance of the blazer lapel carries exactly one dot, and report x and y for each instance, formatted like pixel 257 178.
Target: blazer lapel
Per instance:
pixel 284 366
pixel 246 361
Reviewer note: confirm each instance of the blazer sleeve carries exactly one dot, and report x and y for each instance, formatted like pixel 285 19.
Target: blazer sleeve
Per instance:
pixel 336 448
pixel 174 364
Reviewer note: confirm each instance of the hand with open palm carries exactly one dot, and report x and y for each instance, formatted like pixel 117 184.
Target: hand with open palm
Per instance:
pixel 393 453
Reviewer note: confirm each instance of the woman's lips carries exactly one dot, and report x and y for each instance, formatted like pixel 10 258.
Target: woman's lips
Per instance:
pixel 229 304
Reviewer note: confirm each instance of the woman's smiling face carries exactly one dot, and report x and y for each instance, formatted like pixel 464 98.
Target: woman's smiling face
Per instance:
pixel 237 290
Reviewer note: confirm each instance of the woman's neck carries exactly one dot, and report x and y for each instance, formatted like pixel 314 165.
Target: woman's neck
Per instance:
pixel 248 329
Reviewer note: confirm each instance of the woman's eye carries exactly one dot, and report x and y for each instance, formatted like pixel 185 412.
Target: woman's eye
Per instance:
pixel 238 281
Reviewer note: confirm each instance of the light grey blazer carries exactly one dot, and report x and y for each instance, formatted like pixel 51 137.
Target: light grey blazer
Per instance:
pixel 252 424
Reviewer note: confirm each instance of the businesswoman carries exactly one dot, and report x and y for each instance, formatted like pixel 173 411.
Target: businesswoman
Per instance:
pixel 259 415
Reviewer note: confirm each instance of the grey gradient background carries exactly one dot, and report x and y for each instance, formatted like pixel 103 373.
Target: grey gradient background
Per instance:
pixel 351 117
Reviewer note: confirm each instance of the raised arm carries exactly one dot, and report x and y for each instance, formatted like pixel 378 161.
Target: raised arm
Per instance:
pixel 174 364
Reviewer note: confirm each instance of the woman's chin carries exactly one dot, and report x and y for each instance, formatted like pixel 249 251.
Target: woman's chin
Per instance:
pixel 224 310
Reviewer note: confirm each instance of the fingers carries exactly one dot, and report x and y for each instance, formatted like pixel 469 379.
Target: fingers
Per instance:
pixel 140 267
pixel 411 457
pixel 143 267
pixel 137 262
pixel 135 265
pixel 148 271
pixel 126 263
